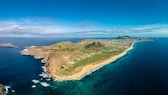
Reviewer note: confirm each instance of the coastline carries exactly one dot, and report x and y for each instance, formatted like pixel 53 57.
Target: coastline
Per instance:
pixel 88 69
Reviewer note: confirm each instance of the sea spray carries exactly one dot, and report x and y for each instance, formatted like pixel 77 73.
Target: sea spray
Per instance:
pixel 44 75
pixel 33 86
pixel 44 68
pixel 35 81
pixel 44 84
pixel 7 88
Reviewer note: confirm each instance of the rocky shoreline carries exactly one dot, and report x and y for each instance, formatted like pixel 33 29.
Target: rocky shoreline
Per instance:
pixel 38 54
pixel 2 89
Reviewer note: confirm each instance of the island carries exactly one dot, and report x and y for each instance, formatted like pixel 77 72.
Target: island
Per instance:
pixel 2 90
pixel 10 45
pixel 73 61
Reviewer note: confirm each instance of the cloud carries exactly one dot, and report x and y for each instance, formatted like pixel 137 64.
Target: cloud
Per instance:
pixel 30 30
pixel 4 23
pixel 149 26
pixel 48 27
pixel 26 26
pixel 153 29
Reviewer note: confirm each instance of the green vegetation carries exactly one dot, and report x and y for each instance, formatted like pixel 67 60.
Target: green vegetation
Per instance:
pixel 92 51
pixel 94 59
pixel 68 58
pixel 94 46
pixel 98 51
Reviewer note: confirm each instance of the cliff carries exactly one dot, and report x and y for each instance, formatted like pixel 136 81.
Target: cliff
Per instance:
pixel 2 90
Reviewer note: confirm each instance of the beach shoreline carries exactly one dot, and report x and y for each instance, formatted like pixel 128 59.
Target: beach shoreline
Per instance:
pixel 88 69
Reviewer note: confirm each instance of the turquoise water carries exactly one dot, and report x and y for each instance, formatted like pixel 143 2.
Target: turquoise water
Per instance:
pixel 142 71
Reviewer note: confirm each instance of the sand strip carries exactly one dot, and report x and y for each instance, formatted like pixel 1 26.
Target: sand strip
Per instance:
pixel 92 67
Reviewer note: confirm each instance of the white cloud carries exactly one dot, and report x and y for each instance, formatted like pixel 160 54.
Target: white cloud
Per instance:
pixel 48 27
pixel 26 26
pixel 4 23
pixel 149 26
pixel 30 30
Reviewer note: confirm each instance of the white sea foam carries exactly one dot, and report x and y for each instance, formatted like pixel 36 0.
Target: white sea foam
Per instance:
pixel 44 68
pixel 42 61
pixel 43 74
pixel 54 87
pixel 33 86
pixel 13 91
pixel 35 81
pixel 45 84
pixel 48 79
pixel 7 89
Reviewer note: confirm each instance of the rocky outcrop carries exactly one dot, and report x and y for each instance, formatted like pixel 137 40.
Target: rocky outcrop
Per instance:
pixel 2 90
pixel 54 59
pixel 8 45
pixel 94 45
pixel 36 52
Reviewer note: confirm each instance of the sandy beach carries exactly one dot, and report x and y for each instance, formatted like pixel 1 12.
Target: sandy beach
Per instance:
pixel 92 67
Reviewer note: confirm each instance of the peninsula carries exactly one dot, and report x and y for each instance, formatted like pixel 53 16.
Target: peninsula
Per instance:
pixel 73 61
pixel 8 45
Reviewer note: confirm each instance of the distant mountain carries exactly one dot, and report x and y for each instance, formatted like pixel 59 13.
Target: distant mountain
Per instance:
pixel 125 37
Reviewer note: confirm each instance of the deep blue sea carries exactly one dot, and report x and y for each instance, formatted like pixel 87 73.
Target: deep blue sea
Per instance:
pixel 142 71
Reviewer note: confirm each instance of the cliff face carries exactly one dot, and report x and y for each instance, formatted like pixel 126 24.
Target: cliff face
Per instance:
pixel 34 51
pixel 54 59
pixel 2 90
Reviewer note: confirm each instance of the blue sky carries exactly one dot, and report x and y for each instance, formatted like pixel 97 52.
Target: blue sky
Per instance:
pixel 83 17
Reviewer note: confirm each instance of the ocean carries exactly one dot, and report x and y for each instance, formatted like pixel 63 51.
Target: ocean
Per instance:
pixel 142 71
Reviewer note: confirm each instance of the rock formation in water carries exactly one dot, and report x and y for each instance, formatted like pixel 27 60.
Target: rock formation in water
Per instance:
pixel 2 90
pixel 8 45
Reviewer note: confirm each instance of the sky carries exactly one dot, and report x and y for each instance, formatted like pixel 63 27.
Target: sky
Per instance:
pixel 77 18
